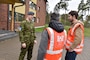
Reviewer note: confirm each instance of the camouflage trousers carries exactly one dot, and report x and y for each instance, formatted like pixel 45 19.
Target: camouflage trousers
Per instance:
pixel 28 49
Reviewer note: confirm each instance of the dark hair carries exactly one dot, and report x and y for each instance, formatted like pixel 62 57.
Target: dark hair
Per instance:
pixel 74 13
pixel 55 16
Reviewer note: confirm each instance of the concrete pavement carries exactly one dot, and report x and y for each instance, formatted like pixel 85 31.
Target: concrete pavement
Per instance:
pixel 10 49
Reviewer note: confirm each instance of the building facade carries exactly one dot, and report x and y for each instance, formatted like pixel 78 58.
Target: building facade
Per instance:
pixel 21 10
pixel 3 16
pixel 41 13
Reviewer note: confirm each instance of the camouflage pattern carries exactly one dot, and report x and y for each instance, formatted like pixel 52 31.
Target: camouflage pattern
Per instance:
pixel 27 35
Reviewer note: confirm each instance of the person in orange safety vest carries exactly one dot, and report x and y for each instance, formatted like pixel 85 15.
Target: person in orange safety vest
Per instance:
pixel 75 37
pixel 52 40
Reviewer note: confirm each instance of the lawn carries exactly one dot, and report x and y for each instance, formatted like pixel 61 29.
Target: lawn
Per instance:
pixel 86 32
pixel 39 29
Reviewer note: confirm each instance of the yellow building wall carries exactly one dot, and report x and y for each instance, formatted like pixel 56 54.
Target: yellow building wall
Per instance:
pixel 33 11
pixel 30 9
pixel 35 1
pixel 20 9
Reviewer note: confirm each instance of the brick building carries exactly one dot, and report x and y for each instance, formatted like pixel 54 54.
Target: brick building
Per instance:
pixel 41 12
pixel 37 6
pixel 4 16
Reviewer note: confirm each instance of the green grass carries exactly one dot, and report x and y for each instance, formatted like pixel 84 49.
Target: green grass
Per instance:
pixel 86 32
pixel 66 28
pixel 39 29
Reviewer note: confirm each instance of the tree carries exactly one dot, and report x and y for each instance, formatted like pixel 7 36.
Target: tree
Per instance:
pixel 64 6
pixel 88 5
pixel 87 22
pixel 81 8
pixel 88 17
pixel 61 5
pixel 47 14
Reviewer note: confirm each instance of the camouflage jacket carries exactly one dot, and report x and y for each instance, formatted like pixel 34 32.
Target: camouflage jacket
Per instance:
pixel 27 32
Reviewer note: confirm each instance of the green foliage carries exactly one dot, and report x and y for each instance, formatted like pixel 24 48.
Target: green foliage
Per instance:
pixel 60 5
pixel 66 28
pixel 47 18
pixel 88 17
pixel 64 20
pixel 87 32
pixel 87 24
pixel 41 29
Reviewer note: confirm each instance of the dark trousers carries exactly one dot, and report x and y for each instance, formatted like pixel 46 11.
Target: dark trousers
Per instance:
pixel 28 49
pixel 70 55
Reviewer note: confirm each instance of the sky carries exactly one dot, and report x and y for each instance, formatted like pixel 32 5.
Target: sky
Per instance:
pixel 73 5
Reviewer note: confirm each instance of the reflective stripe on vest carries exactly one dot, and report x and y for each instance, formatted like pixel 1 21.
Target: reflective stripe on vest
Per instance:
pixel 52 39
pixel 55 44
pixel 73 29
pixel 65 36
pixel 46 59
pixel 54 52
pixel 50 51
pixel 69 42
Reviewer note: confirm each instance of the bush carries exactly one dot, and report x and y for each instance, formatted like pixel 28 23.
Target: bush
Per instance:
pixel 86 24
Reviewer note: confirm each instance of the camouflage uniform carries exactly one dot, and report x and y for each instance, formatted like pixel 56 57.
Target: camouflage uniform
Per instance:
pixel 27 35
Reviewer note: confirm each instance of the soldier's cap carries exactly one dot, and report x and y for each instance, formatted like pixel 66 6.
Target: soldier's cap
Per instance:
pixel 30 13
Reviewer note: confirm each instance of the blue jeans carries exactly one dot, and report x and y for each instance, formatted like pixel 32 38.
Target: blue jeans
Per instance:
pixel 70 55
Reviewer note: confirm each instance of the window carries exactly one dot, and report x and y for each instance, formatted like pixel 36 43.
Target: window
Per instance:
pixel 38 20
pixel 34 19
pixel 32 5
pixel 38 8
pixel 17 16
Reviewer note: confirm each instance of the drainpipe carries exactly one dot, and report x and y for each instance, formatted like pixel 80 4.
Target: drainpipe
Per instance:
pixel 13 21
pixel 14 12
pixel 8 17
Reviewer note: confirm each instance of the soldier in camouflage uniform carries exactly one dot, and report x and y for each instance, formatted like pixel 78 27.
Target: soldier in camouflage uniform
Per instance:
pixel 27 37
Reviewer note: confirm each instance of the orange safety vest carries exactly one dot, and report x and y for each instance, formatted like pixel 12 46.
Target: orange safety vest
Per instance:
pixel 56 43
pixel 71 36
